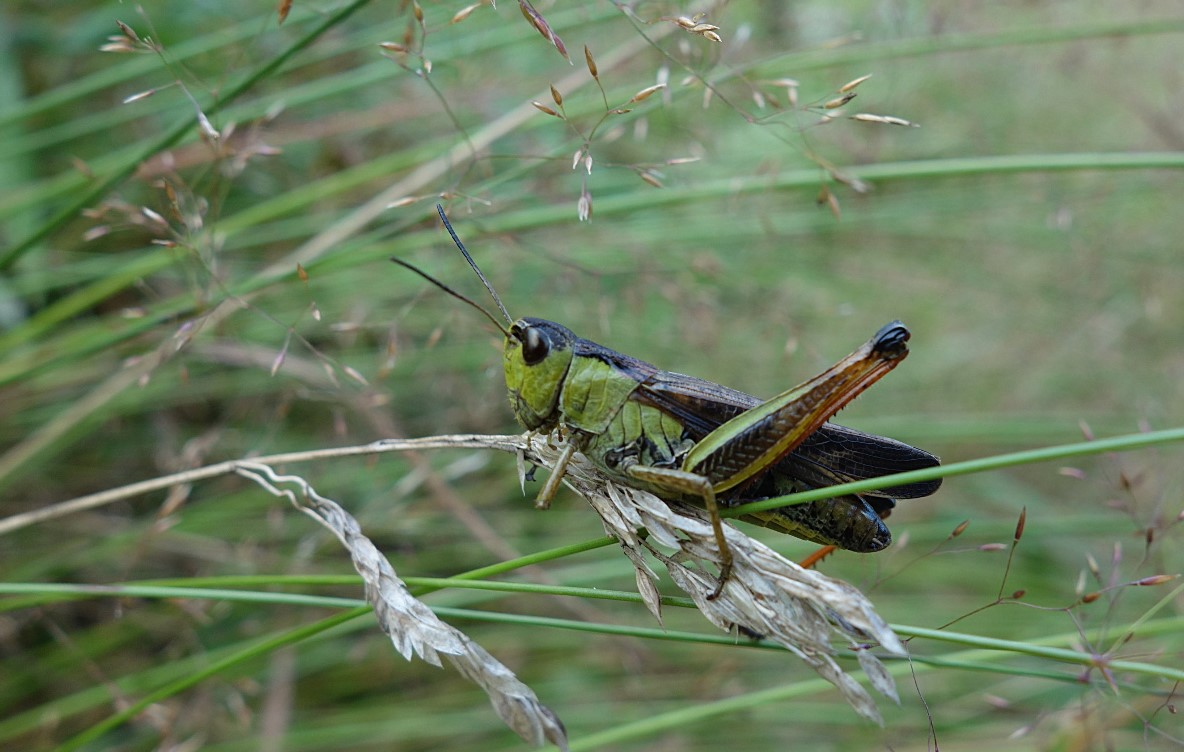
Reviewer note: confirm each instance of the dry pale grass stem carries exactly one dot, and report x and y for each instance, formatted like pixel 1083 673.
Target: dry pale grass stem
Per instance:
pixel 410 624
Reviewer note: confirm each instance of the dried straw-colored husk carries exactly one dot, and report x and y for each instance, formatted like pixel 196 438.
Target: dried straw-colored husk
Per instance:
pixel 766 593
pixel 410 624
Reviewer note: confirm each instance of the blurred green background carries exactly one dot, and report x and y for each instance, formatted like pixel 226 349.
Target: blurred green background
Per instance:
pixel 1029 233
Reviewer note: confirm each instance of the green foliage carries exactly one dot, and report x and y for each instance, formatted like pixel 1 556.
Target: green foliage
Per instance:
pixel 151 281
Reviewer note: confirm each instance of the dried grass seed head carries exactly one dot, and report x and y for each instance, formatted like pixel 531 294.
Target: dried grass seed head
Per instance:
pixel 799 609
pixel 591 62
pixel 464 13
pixel 853 83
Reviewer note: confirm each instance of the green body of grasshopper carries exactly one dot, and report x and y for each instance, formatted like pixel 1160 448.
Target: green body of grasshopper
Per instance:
pixel 684 438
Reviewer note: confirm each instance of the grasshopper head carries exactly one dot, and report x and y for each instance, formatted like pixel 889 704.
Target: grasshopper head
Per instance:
pixel 537 355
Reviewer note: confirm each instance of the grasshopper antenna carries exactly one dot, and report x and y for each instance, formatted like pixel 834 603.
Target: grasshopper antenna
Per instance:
pixel 454 293
pixel 484 281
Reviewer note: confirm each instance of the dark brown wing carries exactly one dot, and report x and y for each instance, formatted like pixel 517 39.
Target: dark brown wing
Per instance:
pixel 859 455
pixel 833 454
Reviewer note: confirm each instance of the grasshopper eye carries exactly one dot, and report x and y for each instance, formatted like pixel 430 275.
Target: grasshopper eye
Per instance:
pixel 535 345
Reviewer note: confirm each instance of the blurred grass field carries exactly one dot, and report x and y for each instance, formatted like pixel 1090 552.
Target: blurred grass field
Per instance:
pixel 151 280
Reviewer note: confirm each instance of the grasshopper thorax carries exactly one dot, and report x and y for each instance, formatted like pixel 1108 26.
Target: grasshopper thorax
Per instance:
pixel 536 359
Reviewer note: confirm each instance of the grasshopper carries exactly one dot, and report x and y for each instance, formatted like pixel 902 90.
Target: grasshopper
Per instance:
pixel 688 439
